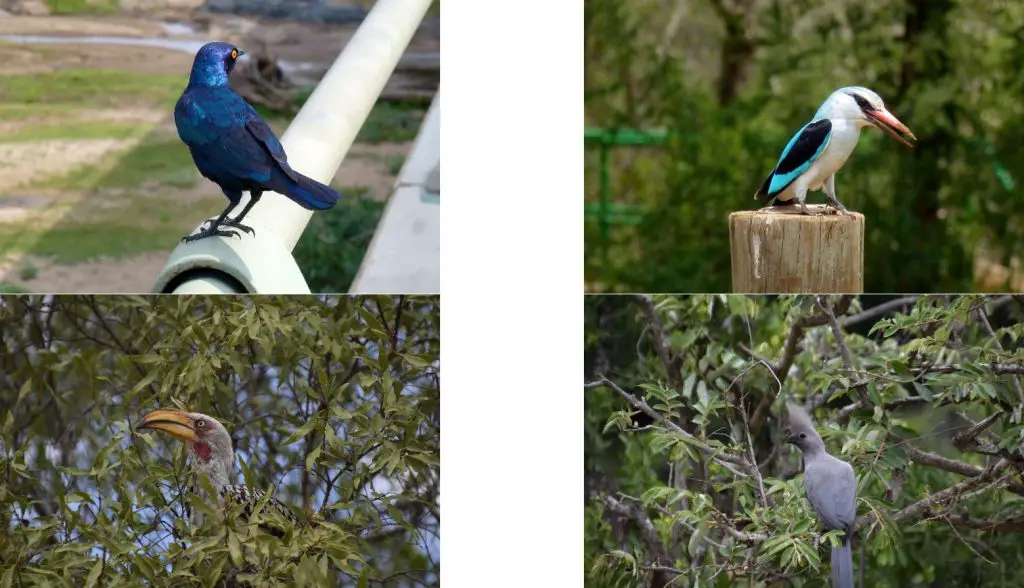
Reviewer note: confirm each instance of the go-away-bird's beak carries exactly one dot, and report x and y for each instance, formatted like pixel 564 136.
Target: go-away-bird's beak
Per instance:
pixel 171 421
pixel 884 120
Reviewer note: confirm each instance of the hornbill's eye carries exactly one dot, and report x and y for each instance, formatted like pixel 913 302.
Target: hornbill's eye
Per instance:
pixel 200 424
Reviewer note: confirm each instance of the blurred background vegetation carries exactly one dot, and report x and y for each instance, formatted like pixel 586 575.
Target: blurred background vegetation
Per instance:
pixel 730 81
pixel 331 402
pixel 658 512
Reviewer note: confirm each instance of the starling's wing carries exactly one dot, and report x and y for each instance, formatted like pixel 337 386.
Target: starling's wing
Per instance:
pixel 221 145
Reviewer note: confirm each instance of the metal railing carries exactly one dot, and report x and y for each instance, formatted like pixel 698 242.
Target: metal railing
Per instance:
pixel 605 212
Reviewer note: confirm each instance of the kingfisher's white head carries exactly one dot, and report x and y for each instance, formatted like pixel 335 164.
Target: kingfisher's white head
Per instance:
pixel 864 108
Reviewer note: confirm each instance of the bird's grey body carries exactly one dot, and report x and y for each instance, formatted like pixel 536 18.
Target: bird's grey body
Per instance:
pixel 831 489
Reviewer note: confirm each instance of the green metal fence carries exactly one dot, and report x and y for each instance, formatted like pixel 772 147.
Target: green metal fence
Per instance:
pixel 605 212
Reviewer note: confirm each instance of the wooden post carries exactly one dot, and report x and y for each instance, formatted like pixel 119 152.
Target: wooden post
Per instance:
pixel 780 250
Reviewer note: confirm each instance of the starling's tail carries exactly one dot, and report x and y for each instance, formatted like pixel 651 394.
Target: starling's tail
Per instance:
pixel 842 565
pixel 306 192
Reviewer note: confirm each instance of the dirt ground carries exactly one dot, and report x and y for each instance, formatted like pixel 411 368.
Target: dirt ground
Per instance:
pixel 368 165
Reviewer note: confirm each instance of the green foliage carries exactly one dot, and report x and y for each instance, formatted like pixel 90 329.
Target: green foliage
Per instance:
pixel 100 88
pixel 332 247
pixel 154 161
pixel 332 404
pixel 393 121
pixel 732 89
pixel 82 6
pixel 930 371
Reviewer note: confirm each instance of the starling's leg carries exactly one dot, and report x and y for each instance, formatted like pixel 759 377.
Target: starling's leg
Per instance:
pixel 254 197
pixel 211 229
pixel 830 192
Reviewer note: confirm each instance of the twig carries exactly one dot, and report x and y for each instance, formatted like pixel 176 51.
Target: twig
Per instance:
pixel 876 312
pixel 753 456
pixel 919 508
pixel 727 460
pixel 657 337
pixel 861 387
pixel 1011 524
pixel 983 319
pixel 647 530
pixel 844 413
pixel 789 350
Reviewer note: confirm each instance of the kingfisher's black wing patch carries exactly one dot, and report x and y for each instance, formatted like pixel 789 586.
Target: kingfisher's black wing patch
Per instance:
pixel 802 150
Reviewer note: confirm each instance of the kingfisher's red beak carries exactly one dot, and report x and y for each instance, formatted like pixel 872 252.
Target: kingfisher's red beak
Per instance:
pixel 884 120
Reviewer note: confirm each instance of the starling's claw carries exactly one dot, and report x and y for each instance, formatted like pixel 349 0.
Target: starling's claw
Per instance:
pixel 238 225
pixel 210 232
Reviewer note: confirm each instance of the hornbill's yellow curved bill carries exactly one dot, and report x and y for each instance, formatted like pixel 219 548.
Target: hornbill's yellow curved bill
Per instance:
pixel 210 453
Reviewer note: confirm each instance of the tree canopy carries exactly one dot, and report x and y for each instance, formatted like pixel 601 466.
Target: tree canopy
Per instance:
pixel 689 481
pixel 332 404
pixel 732 80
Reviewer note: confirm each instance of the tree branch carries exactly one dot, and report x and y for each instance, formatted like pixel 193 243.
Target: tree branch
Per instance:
pixel 656 334
pixel 727 460
pixel 877 312
pixel 643 522
pixel 844 353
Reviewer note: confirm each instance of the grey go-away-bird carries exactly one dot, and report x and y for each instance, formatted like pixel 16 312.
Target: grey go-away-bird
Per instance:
pixel 831 489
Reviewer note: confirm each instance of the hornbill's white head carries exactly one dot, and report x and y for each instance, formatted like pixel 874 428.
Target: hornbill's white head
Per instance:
pixel 207 440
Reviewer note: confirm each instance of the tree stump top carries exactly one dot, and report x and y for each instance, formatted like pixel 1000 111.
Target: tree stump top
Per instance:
pixel 780 250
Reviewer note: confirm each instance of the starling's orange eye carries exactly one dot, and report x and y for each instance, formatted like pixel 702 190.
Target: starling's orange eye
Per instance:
pixel 234 54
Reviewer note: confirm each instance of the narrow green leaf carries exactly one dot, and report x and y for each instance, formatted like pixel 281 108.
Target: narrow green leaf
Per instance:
pixel 235 549
pixel 312 457
pixel 94 574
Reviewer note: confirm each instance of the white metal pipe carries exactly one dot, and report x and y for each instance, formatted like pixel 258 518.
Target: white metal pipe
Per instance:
pixel 405 253
pixel 323 131
pixel 316 142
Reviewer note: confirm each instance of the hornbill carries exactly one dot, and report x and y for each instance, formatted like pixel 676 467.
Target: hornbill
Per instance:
pixel 210 453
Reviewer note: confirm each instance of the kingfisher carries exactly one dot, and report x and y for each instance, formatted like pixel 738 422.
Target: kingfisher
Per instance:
pixel 814 155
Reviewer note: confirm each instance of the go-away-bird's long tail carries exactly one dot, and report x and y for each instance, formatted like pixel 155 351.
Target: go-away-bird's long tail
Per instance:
pixel 842 566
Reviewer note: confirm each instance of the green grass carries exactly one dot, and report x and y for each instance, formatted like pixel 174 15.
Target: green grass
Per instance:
pixel 166 162
pixel 388 121
pixel 28 272
pixel 81 130
pixel 392 121
pixel 15 111
pixel 99 88
pixel 7 288
pixel 394 164
pixel 333 245
pixel 81 6
pixel 125 226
